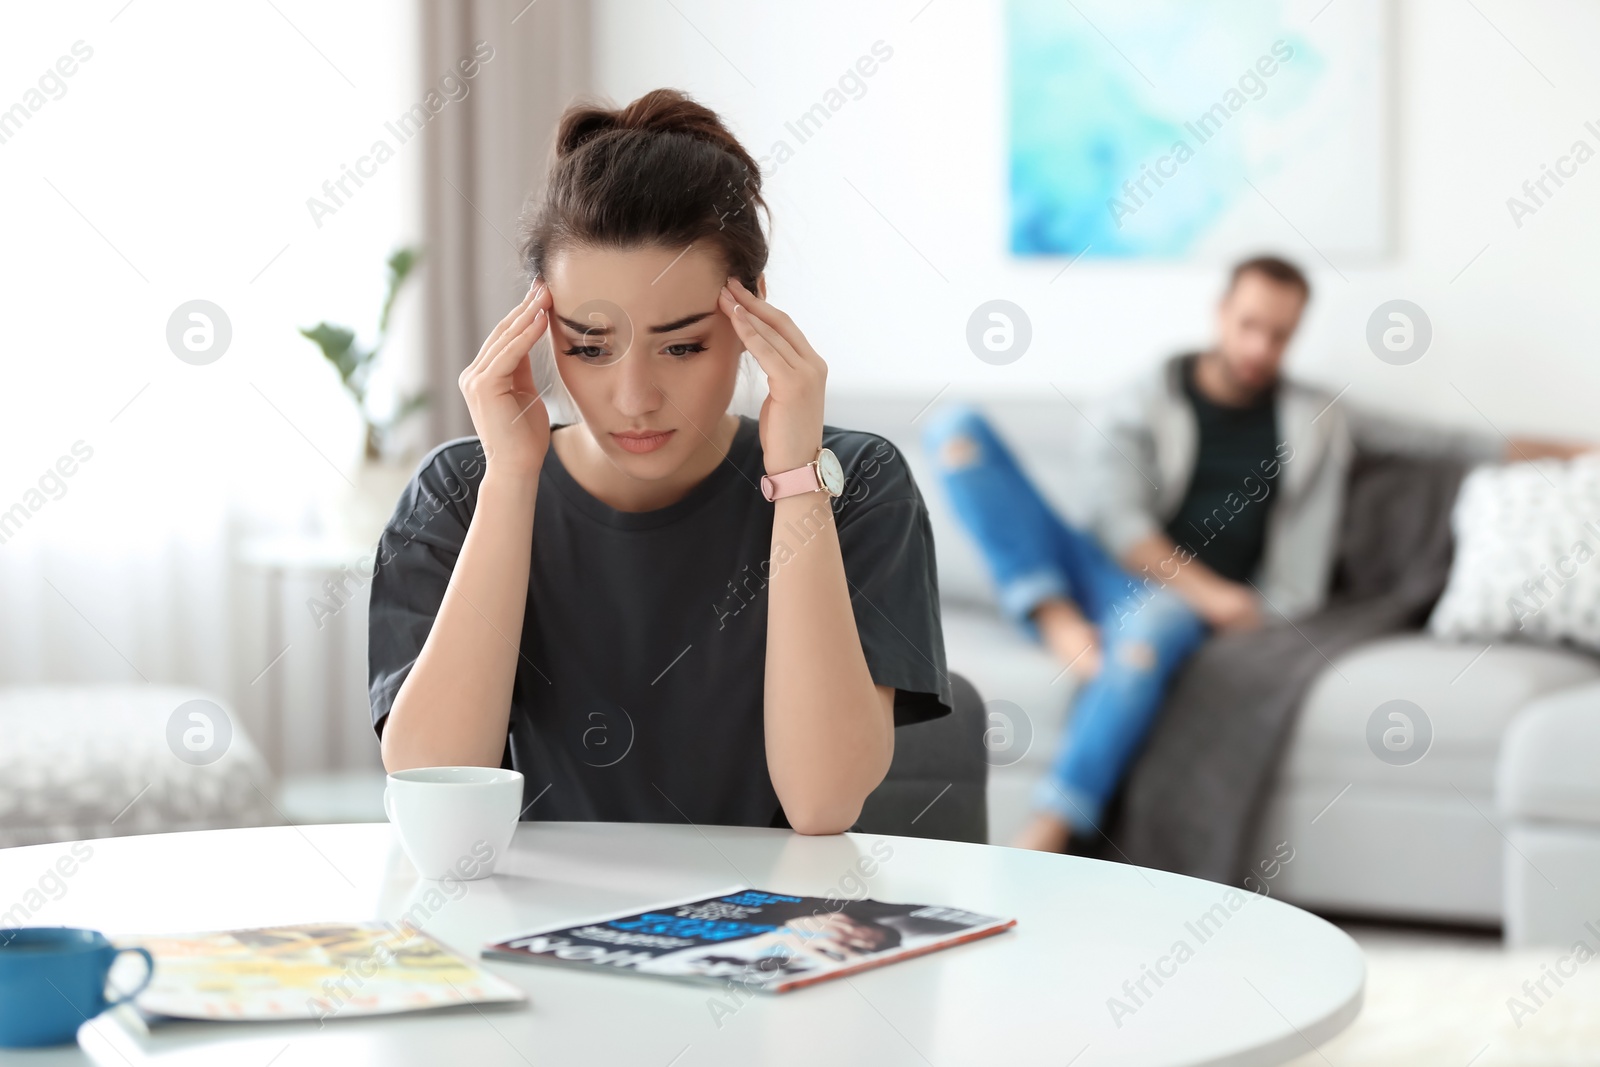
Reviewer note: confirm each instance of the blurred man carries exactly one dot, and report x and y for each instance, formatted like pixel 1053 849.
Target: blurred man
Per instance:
pixel 1224 479
pixel 1215 486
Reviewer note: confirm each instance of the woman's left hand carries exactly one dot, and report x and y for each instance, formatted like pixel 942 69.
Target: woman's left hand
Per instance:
pixel 791 416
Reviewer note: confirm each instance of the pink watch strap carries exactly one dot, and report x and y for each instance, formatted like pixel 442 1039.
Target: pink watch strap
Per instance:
pixel 788 483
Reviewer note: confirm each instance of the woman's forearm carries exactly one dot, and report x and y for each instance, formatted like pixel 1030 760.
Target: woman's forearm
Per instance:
pixel 829 729
pixel 454 706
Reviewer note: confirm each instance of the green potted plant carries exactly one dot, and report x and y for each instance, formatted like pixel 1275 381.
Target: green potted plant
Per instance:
pixel 356 364
pixel 357 518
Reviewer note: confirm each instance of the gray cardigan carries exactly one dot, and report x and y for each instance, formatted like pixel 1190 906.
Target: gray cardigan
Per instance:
pixel 1142 444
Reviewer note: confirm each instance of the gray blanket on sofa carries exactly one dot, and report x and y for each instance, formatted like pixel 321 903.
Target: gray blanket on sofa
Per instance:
pixel 1188 804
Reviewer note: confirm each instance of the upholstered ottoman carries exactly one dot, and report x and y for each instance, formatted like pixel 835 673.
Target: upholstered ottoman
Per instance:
pixel 1548 789
pixel 86 761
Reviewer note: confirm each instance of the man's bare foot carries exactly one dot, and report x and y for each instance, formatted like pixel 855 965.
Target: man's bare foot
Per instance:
pixel 1071 638
pixel 1044 833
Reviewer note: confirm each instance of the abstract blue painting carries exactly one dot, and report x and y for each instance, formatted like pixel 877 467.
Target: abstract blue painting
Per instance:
pixel 1172 129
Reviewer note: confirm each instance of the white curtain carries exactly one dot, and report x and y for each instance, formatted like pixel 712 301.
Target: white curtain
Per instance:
pixel 138 565
pixel 195 152
pixel 478 174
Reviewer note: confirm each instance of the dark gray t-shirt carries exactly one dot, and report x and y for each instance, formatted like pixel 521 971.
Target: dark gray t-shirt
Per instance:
pixel 638 691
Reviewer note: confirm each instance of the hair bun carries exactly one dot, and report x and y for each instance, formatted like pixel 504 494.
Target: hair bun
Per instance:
pixel 582 123
pixel 658 111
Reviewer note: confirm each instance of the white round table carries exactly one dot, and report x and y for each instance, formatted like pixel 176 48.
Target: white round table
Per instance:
pixel 1260 982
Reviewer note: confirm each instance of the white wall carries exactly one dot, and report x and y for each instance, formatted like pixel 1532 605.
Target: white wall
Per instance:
pixel 182 156
pixel 925 146
pixel 175 163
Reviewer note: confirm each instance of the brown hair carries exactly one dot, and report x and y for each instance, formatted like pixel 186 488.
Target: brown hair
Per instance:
pixel 663 170
pixel 1274 267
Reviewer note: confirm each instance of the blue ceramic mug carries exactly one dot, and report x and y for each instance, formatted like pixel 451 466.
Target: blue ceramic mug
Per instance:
pixel 53 980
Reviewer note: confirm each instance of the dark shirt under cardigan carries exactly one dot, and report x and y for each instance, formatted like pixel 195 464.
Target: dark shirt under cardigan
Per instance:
pixel 1223 517
pixel 639 685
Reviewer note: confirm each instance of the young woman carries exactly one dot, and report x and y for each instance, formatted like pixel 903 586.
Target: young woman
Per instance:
pixel 663 611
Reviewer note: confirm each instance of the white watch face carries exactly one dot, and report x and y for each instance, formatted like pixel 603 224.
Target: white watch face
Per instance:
pixel 830 472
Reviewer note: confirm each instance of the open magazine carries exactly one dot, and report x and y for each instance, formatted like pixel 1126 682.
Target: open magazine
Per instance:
pixel 312 971
pixel 766 942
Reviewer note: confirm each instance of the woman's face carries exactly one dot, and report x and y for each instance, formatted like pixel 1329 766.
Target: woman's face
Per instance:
pixel 644 351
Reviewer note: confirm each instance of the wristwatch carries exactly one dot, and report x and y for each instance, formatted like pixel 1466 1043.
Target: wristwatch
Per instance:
pixel 822 473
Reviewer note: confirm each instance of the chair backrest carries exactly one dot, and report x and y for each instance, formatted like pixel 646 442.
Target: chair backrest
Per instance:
pixel 936 785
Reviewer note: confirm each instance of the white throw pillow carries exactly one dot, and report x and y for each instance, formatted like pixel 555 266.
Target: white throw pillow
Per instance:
pixel 1527 554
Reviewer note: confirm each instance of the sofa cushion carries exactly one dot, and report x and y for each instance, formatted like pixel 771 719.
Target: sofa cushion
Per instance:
pixel 1525 562
pixel 1548 763
pixel 1466 698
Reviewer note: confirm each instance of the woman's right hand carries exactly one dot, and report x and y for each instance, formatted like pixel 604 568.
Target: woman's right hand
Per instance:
pixel 498 385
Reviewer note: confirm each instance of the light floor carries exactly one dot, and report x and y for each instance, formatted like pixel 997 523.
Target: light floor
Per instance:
pixel 1441 998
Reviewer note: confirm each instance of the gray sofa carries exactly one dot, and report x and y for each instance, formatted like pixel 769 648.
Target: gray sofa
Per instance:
pixel 1428 840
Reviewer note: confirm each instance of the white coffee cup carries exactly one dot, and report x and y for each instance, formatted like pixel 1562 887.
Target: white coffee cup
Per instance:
pixel 454 822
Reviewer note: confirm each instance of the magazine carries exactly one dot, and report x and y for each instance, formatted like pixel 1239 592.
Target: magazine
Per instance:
pixel 766 942
pixel 313 971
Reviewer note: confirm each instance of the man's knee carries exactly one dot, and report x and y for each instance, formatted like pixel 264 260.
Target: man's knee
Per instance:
pixel 954 437
pixel 957 451
pixel 1137 655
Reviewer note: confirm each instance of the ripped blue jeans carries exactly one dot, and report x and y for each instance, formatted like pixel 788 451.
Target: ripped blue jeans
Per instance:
pixel 1146 631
